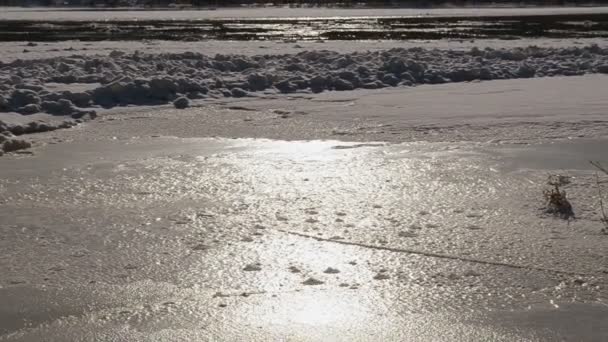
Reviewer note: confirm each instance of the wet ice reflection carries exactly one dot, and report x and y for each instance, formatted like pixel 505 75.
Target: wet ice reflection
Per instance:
pixel 315 310
pixel 312 239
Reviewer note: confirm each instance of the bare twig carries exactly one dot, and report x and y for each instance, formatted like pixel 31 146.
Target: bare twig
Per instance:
pixel 599 167
pixel 604 218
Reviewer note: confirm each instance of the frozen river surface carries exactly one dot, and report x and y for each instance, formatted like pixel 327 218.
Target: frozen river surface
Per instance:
pixel 146 238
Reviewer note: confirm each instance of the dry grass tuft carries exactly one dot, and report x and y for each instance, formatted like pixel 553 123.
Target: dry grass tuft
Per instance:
pixel 557 202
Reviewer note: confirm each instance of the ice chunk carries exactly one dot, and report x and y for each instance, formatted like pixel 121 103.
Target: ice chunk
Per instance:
pixel 313 281
pixel 181 103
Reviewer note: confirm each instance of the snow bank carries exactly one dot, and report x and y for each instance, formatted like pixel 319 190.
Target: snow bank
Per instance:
pixel 11 51
pixel 121 79
pixel 8 142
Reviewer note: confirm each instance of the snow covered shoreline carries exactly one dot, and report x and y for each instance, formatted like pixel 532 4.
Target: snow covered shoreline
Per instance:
pixel 74 87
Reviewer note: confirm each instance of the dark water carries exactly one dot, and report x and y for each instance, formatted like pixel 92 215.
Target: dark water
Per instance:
pixel 342 28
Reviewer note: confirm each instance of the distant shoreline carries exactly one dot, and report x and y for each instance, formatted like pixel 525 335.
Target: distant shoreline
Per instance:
pixel 309 24
pixel 306 6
